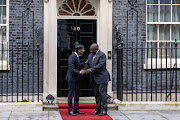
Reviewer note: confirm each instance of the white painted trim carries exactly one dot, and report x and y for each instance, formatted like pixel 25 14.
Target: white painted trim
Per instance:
pixel 6 65
pixel 7 18
pixel 75 17
pixel 104 39
pixel 50 50
pixel 163 23
pixel 170 63
pixel 148 61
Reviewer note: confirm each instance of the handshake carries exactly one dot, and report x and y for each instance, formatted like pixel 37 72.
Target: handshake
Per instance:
pixel 85 71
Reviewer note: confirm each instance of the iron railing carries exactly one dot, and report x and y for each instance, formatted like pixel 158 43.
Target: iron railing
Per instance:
pixel 19 74
pixel 148 72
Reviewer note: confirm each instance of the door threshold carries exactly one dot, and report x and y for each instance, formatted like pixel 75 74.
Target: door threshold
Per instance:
pixel 81 99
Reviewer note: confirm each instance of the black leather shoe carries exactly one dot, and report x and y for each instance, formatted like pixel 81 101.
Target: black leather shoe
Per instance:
pixel 78 111
pixel 71 113
pixel 103 113
pixel 95 112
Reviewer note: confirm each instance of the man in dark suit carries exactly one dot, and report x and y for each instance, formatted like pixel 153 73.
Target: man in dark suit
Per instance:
pixel 99 77
pixel 72 77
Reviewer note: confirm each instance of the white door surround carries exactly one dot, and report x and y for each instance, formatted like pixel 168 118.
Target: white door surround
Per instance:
pixel 104 39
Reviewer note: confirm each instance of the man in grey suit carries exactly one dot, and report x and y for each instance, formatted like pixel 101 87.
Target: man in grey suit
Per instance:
pixel 99 77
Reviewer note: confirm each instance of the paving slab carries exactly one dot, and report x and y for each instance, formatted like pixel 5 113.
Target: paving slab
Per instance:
pixel 143 115
pixel 4 119
pixel 117 115
pixel 170 115
pixel 37 115
pixel 4 115
pixel 54 115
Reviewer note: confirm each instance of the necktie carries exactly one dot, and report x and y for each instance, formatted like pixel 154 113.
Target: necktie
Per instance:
pixel 93 59
pixel 78 61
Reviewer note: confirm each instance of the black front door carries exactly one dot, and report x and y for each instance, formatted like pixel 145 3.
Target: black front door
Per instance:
pixel 70 31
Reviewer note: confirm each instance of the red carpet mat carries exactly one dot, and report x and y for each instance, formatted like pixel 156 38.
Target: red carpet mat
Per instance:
pixel 86 116
pixel 81 105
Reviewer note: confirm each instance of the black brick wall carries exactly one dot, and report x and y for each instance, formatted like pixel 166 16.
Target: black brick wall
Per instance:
pixel 133 29
pixel 21 24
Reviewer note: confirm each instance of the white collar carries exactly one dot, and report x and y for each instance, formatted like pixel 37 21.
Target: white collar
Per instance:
pixel 76 54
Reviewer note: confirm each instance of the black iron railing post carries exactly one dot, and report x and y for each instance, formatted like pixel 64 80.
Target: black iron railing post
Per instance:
pixel 12 70
pixel 120 71
pixel 166 70
pixel 119 49
pixel 38 69
pixel 28 71
pixel 176 43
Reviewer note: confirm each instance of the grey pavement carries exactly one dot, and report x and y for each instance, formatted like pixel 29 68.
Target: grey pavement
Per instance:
pixel 37 115
pixel 115 115
pixel 144 115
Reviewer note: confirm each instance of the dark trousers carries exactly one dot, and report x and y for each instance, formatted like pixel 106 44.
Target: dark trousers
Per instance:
pixel 100 92
pixel 73 91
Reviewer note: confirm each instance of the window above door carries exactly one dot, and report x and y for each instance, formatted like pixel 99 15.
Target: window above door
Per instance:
pixel 76 8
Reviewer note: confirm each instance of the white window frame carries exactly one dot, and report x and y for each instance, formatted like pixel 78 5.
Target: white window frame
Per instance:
pixel 4 64
pixel 158 64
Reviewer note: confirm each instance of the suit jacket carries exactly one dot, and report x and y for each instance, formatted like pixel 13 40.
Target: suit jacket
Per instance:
pixel 99 72
pixel 73 68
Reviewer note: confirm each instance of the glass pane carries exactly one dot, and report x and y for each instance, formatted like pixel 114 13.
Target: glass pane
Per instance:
pixel 2 2
pixel 2 34
pixel 3 46
pixel 82 4
pixel 151 32
pixel 165 13
pixel 164 49
pixel 70 3
pixel 2 15
pixel 152 13
pixel 90 13
pixel 152 48
pixel 176 13
pixel 165 1
pixel 61 12
pixel 76 2
pixel 152 1
pixel 176 1
pixel 164 32
pixel 87 8
pixel 3 53
pixel 175 50
pixel 66 8
pixel 176 32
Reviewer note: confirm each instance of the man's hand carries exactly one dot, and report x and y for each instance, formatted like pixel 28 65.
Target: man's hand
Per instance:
pixel 87 71
pixel 83 72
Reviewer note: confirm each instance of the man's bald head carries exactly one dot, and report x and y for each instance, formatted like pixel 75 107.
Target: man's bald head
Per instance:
pixel 94 48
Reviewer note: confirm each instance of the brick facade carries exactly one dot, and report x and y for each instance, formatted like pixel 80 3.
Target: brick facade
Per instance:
pixel 131 20
pixel 22 23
